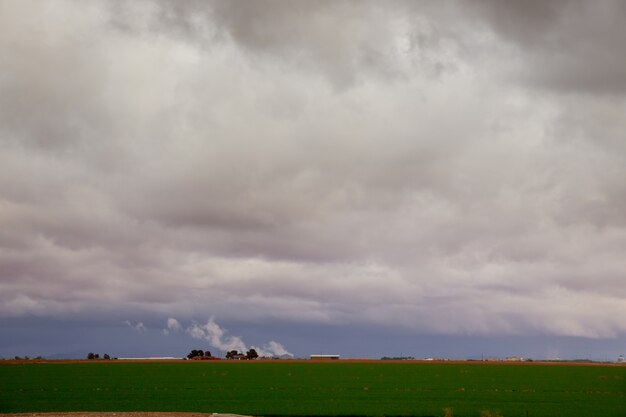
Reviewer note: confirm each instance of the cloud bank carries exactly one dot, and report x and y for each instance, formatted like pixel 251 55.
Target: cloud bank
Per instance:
pixel 448 167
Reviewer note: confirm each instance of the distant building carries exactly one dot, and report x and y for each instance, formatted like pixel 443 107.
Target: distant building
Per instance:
pixel 152 358
pixel 621 359
pixel 324 357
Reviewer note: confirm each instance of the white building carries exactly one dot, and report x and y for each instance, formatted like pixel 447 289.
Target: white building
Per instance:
pixel 324 357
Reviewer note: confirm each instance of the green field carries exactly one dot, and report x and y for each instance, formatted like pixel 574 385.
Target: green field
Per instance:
pixel 316 389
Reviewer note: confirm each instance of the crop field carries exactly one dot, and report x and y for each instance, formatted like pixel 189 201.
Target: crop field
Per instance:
pixel 291 388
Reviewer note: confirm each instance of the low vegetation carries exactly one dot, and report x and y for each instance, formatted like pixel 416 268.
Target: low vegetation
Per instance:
pixel 290 388
pixel 95 356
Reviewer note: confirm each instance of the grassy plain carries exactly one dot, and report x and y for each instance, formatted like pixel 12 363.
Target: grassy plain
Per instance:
pixel 290 388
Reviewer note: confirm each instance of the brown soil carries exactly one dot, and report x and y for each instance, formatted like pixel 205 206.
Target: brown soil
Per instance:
pixel 118 414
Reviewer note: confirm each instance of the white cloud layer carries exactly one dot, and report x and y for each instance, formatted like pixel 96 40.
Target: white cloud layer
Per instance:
pixel 441 166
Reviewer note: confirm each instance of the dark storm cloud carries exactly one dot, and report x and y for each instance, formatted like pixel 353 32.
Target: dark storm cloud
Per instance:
pixel 345 42
pixel 414 165
pixel 571 46
pixel 568 45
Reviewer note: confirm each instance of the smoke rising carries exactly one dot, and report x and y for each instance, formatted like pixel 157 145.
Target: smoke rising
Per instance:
pixel 172 325
pixel 273 349
pixel 218 338
pixel 138 327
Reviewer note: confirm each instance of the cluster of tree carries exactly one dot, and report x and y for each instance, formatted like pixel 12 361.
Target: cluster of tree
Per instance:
pixel 233 354
pixel 93 356
pixel 198 353
pixel 26 358
pixel 250 354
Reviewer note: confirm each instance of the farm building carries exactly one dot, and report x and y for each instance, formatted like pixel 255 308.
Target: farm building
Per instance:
pixel 324 357
pixel 239 357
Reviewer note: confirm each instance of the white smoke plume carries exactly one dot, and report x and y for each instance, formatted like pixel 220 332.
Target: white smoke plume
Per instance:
pixel 138 327
pixel 173 325
pixel 272 349
pixel 218 338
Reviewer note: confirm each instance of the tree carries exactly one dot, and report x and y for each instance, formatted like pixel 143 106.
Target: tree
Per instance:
pixel 196 352
pixel 232 354
pixel 91 356
pixel 251 354
pixel 106 356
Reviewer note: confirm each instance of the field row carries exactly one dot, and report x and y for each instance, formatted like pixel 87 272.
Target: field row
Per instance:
pixel 316 389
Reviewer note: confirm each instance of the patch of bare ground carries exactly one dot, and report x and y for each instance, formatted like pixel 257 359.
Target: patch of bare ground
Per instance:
pixel 120 414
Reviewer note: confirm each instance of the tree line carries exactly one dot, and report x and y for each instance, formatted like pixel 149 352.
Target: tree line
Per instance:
pixel 233 354
pixel 94 356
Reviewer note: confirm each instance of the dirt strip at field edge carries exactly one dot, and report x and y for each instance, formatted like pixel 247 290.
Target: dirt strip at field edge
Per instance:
pixel 120 414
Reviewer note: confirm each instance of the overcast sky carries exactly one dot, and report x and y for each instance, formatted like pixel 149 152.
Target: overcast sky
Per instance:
pixel 442 169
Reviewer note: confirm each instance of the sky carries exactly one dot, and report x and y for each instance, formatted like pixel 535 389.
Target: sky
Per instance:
pixel 434 178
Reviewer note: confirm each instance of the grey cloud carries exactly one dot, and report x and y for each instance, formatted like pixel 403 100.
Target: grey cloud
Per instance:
pixel 47 77
pixel 341 40
pixel 344 42
pixel 529 22
pixel 569 46
pixel 177 172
